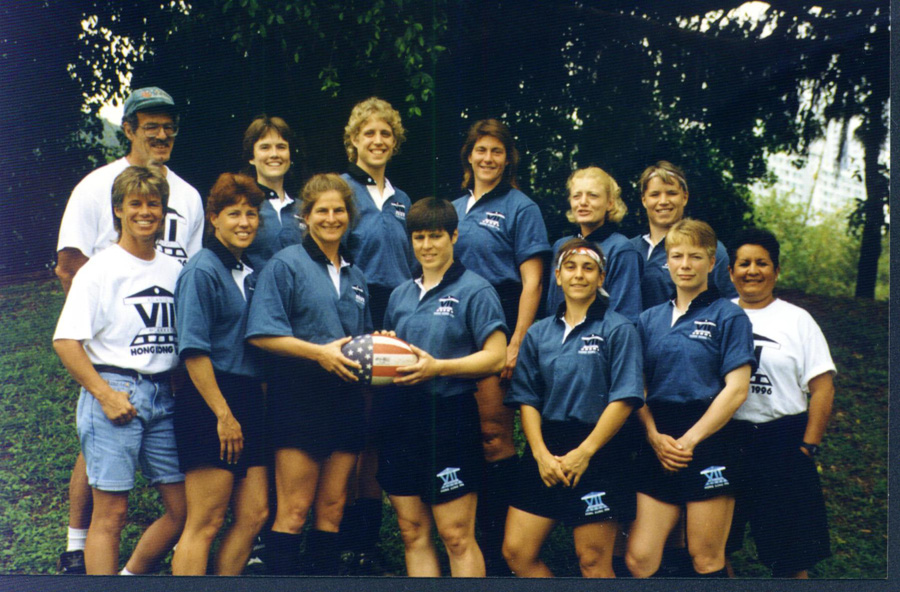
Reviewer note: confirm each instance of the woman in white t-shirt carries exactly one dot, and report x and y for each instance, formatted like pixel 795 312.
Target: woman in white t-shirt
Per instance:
pixel 116 337
pixel 788 407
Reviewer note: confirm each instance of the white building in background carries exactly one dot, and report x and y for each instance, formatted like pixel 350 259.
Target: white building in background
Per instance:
pixel 830 181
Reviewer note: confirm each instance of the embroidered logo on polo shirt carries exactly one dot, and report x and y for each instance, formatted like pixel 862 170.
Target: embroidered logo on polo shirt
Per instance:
pixel 703 330
pixel 156 307
pixel 590 344
pixel 359 294
pixel 714 477
pixel 595 505
pixel 450 479
pixel 399 210
pixel 446 306
pixel 492 220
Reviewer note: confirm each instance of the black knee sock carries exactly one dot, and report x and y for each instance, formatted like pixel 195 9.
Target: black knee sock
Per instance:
pixel 493 504
pixel 282 553
pixel 322 556
pixel 676 563
pixel 361 525
pixel 721 573
pixel 371 510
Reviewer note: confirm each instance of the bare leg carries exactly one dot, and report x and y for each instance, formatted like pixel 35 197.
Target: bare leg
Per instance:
pixel 161 536
pixel 456 525
pixel 496 420
pixel 525 535
pixel 594 545
pixel 331 494
pixel 207 491
pixel 250 507
pixel 655 519
pixel 296 477
pixel 101 550
pixel 414 520
pixel 80 496
pixel 708 523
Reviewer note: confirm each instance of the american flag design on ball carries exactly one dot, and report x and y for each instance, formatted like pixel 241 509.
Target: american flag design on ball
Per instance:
pixel 379 356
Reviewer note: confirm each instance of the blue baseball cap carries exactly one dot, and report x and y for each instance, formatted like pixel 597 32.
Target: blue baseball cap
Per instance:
pixel 147 98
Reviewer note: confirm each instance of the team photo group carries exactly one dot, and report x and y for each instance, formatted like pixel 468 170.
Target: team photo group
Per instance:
pixel 237 350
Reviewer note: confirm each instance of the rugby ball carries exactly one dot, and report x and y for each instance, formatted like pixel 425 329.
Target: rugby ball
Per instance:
pixel 379 356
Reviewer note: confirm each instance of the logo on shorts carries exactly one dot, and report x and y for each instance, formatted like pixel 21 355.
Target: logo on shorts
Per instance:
pixel 399 210
pixel 156 307
pixel 703 330
pixel 492 220
pixel 714 477
pixel 590 344
pixel 450 479
pixel 594 503
pixel 359 294
pixel 446 306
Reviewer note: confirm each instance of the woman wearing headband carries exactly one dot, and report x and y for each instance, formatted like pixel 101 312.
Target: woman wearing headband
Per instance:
pixel 578 378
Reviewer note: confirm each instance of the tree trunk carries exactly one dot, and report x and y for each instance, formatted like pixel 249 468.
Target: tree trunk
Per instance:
pixel 872 134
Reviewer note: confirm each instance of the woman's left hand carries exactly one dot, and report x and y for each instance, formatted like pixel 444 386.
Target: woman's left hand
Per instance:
pixel 574 464
pixel 686 444
pixel 424 369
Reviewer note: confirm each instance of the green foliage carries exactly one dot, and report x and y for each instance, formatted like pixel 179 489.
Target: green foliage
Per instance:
pixel 820 255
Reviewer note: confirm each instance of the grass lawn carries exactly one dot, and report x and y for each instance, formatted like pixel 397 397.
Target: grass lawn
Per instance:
pixel 38 443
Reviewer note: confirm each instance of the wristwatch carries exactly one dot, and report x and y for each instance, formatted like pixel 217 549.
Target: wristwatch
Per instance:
pixel 811 449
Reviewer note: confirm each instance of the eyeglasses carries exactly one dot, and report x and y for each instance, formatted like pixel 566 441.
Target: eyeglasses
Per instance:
pixel 152 129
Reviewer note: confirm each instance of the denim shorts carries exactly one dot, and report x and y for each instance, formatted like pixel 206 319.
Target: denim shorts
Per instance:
pixel 113 452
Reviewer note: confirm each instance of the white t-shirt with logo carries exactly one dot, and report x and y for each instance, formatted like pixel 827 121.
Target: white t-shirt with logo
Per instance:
pixel 791 350
pixel 122 309
pixel 87 223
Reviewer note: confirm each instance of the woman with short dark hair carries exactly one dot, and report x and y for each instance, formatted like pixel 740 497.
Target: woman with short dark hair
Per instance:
pixel 266 154
pixel 430 461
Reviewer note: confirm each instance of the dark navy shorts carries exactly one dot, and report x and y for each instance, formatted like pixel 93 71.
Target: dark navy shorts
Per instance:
pixel 781 499
pixel 428 446
pixel 196 425
pixel 313 410
pixel 605 491
pixel 714 470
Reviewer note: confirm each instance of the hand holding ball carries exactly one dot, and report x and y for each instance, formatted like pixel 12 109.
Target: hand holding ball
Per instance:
pixel 379 356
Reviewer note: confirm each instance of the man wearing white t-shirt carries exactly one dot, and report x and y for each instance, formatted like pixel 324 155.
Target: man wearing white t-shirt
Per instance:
pixel 150 123
pixel 116 337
